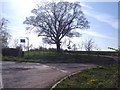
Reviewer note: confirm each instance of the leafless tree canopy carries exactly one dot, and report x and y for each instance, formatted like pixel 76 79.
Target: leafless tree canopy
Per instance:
pixel 56 20
pixel 89 45
pixel 4 35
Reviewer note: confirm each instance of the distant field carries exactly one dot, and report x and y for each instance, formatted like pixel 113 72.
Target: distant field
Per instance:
pixel 69 57
pixel 97 77
pixel 113 53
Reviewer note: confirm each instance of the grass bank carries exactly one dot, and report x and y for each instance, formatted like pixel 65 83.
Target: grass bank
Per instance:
pixel 97 77
pixel 60 58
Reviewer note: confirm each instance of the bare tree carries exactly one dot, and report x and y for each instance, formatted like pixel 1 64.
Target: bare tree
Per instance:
pixel 89 45
pixel 4 33
pixel 56 20
pixel 81 46
pixel 74 47
pixel 15 43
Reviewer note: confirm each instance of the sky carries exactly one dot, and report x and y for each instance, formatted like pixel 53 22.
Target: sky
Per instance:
pixel 103 18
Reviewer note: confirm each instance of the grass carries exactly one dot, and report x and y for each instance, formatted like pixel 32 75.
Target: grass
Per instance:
pixel 56 57
pixel 97 77
pixel 111 53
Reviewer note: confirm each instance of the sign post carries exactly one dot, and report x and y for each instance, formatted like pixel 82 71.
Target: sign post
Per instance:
pixel 23 41
pixel 28 45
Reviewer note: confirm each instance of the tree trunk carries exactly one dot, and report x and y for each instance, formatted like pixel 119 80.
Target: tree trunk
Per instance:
pixel 58 47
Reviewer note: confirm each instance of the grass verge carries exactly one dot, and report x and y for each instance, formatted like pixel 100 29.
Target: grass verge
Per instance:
pixel 60 58
pixel 97 77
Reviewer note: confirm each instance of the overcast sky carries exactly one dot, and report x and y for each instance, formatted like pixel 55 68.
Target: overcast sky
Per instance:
pixel 103 18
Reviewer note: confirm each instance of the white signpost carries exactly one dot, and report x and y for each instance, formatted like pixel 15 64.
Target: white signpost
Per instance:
pixel 23 41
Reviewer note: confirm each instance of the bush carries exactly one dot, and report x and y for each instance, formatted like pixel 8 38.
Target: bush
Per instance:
pixel 12 52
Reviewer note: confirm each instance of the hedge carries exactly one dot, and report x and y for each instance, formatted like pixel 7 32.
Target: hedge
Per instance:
pixel 12 52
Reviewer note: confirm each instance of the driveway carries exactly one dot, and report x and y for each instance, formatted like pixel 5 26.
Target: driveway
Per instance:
pixel 37 75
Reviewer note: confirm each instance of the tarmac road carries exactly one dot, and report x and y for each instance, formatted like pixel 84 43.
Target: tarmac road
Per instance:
pixel 37 75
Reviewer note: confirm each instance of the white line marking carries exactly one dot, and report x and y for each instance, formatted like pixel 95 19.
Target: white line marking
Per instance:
pixel 64 71
pixel 45 66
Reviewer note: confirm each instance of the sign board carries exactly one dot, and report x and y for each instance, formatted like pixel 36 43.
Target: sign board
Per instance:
pixel 22 40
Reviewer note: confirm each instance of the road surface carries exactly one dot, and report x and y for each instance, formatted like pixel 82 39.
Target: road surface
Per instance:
pixel 37 75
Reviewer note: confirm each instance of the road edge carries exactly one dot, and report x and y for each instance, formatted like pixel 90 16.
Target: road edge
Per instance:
pixel 71 75
pixel 66 77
